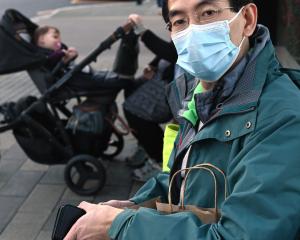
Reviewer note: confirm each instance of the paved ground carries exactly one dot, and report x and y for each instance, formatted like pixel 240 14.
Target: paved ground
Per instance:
pixel 30 192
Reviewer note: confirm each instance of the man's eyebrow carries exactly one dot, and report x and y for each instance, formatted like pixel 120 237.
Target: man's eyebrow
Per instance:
pixel 173 13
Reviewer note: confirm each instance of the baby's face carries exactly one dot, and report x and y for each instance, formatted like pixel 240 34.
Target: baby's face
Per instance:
pixel 50 40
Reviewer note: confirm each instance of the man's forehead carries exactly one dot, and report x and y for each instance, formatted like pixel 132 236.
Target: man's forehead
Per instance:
pixel 177 7
pixel 195 2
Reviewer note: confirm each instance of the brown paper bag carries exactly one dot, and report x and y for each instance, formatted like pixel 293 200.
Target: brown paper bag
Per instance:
pixel 206 215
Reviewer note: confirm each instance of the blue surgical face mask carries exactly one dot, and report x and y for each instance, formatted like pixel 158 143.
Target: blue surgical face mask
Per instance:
pixel 206 51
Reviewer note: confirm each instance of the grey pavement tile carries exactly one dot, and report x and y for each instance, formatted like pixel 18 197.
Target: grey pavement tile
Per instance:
pixel 30 165
pixel 16 85
pixel 14 153
pixel 8 207
pixel 116 192
pixel 21 183
pixel 71 196
pixel 54 175
pixel 118 174
pixel 119 9
pixel 43 199
pixel 7 140
pixel 44 235
pixel 24 226
pixel 2 184
pixel 8 168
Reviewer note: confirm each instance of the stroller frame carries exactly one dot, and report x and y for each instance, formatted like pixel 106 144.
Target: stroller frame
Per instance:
pixel 86 166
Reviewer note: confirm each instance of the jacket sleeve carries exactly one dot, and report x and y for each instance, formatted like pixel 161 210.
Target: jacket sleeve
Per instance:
pixel 161 48
pixel 154 187
pixel 264 198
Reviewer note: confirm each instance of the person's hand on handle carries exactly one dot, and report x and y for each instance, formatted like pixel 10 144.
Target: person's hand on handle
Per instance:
pixel 138 25
pixel 148 72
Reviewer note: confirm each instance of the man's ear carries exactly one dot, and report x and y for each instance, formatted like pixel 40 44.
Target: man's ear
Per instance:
pixel 250 15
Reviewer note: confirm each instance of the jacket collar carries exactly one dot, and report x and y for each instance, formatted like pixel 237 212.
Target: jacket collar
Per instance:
pixel 239 89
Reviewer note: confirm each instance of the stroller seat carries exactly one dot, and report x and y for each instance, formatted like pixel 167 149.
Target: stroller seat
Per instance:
pixel 44 79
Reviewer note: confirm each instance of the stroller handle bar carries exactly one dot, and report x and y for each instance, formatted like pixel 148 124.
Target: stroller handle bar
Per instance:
pixel 106 44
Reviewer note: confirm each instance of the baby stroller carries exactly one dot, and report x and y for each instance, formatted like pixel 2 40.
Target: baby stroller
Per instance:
pixel 40 124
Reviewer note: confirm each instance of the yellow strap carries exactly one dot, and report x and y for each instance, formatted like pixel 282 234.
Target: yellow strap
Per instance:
pixel 170 135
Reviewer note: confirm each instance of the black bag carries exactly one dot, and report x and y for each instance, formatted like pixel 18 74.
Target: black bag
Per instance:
pixel 126 61
pixel 149 101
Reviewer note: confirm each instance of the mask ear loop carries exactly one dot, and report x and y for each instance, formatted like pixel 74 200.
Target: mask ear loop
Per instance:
pixel 231 20
pixel 239 47
pixel 236 15
pixel 242 43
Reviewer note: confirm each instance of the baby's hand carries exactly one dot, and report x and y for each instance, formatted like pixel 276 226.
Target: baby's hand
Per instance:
pixel 70 54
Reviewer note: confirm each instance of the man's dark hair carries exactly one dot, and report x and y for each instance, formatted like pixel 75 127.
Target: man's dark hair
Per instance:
pixel 236 4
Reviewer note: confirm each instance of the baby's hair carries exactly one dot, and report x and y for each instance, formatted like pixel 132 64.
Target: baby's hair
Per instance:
pixel 40 31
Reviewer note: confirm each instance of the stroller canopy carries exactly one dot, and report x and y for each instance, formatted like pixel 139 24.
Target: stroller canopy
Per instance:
pixel 17 50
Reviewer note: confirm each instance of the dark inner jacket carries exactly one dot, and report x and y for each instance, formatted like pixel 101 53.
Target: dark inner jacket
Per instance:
pixel 163 50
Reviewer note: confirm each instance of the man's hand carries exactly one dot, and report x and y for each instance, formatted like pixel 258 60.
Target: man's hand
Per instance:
pixel 94 225
pixel 118 203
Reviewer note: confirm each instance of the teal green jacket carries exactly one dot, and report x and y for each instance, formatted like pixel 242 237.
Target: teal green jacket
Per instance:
pixel 254 137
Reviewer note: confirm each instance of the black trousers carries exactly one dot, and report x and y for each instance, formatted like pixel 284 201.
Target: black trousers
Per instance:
pixel 149 135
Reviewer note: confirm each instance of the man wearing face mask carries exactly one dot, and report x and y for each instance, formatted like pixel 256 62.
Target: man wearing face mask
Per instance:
pixel 237 153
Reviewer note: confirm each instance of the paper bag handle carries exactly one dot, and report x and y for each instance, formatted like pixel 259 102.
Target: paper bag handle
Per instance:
pixel 203 166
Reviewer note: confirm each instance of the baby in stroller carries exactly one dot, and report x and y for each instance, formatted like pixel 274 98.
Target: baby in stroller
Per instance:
pixel 62 57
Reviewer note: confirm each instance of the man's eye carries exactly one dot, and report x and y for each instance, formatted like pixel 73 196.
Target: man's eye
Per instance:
pixel 179 22
pixel 209 13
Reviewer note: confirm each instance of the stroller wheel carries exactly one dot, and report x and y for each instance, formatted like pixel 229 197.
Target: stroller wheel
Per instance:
pixel 115 145
pixel 85 175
